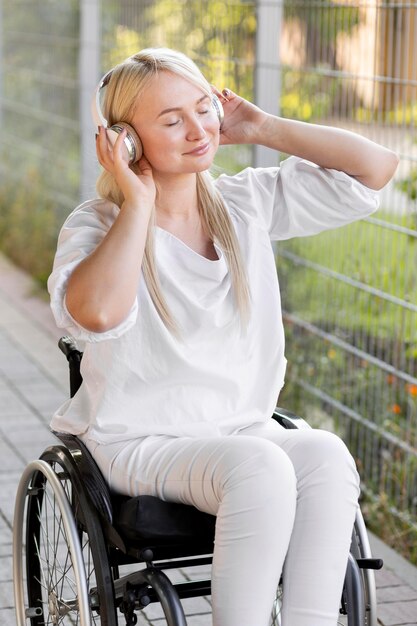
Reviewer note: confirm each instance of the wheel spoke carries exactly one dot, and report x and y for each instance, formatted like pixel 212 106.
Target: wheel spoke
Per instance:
pixel 58 574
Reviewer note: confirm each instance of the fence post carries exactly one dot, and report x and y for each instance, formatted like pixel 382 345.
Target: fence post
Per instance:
pixel 88 75
pixel 267 69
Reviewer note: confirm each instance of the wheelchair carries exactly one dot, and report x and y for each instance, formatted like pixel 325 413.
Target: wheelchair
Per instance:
pixel 72 539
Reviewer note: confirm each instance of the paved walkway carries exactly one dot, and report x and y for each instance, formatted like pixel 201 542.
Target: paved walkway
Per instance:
pixel 33 382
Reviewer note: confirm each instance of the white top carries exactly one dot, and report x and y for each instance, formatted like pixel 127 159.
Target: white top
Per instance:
pixel 139 380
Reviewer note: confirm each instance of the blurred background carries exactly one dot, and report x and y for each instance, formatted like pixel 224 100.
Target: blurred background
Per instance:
pixel 350 295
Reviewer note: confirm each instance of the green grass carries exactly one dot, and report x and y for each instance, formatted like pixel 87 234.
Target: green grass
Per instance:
pixel 374 256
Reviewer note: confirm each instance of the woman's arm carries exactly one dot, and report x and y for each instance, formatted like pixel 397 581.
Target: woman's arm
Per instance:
pixel 372 164
pixel 103 287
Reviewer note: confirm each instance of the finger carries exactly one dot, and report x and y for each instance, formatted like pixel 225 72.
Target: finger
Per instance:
pixel 145 167
pixel 119 148
pixel 227 94
pixel 102 147
pixel 103 142
pixel 216 91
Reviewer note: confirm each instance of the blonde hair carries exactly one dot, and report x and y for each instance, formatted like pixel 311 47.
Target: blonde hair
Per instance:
pixel 127 82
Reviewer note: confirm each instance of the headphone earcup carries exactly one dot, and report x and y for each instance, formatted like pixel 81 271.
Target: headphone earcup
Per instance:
pixel 132 143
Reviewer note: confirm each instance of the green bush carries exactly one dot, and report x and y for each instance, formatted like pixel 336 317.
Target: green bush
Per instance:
pixel 28 224
pixel 409 187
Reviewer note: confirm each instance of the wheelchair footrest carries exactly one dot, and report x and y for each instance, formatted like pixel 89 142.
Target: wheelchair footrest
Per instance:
pixel 370 563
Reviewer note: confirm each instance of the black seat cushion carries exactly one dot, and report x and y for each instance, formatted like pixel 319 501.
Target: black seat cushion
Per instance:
pixel 149 518
pixel 143 519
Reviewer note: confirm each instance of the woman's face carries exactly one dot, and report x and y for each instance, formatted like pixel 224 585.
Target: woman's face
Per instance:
pixel 177 125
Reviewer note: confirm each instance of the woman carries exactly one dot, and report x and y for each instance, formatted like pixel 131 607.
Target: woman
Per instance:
pixel 170 279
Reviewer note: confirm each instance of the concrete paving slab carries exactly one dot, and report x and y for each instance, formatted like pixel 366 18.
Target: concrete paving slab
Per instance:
pixel 395 613
pixel 6 596
pixel 6 549
pixel 12 404
pixel 7 617
pixel 6 569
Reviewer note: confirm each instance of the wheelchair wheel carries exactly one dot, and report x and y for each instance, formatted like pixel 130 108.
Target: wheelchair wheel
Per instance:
pixel 275 619
pixel 67 576
pixel 360 549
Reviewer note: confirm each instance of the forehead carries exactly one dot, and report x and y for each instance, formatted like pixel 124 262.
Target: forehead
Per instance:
pixel 167 90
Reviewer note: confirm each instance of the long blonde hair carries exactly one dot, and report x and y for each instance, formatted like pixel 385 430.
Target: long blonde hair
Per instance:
pixel 127 81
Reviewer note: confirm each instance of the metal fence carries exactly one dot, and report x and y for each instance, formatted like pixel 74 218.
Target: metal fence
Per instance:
pixel 350 296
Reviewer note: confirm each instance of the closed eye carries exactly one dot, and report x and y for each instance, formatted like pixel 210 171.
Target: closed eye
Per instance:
pixel 178 121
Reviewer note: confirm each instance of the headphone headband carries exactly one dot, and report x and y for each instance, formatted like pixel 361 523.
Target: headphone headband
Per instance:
pixel 96 105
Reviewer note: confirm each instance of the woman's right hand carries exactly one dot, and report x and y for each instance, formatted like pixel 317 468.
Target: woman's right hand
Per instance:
pixel 111 272
pixel 139 190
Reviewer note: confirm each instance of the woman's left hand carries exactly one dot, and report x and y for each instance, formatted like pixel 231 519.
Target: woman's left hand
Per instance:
pixel 242 119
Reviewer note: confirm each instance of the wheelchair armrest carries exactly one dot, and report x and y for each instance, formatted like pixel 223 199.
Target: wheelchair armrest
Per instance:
pixel 68 346
pixel 90 475
pixel 289 420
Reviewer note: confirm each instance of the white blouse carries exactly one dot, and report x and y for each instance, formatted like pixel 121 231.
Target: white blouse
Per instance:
pixel 140 380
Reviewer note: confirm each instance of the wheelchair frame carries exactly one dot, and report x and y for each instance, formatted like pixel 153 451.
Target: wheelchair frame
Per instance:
pixel 63 505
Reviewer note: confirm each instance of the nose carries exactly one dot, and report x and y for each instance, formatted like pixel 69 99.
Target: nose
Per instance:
pixel 195 130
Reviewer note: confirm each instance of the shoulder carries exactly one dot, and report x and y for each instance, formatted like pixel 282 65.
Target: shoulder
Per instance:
pixel 96 212
pixel 249 180
pixel 298 198
pixel 86 226
pixel 250 194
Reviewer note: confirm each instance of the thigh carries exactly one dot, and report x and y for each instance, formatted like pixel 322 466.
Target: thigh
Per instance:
pixel 197 471
pixel 308 449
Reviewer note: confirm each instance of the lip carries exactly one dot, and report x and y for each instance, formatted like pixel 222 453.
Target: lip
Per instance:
pixel 200 150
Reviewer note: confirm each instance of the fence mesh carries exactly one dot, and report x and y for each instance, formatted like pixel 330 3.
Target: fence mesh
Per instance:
pixel 351 295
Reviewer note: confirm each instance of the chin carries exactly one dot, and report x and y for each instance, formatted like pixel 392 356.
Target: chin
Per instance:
pixel 203 168
pixel 201 165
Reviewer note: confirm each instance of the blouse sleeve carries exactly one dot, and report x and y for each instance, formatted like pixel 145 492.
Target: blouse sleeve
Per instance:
pixel 81 233
pixel 298 198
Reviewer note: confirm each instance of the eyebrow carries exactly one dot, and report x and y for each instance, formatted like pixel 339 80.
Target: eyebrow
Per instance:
pixel 179 108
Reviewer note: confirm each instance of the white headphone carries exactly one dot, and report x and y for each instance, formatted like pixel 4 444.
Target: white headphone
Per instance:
pixel 132 143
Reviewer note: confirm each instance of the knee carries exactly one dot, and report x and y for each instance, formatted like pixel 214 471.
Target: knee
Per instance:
pixel 326 454
pixel 335 451
pixel 263 469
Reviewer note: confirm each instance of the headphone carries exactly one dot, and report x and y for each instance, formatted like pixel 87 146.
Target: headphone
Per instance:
pixel 132 143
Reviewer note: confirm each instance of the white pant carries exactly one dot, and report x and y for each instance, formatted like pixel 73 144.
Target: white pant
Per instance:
pixel 279 495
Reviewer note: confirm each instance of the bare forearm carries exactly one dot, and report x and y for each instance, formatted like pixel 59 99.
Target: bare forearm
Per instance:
pixel 370 163
pixel 103 287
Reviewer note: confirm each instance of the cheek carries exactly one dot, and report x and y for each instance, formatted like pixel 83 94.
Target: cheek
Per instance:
pixel 216 134
pixel 156 146
pixel 214 129
pixel 212 123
